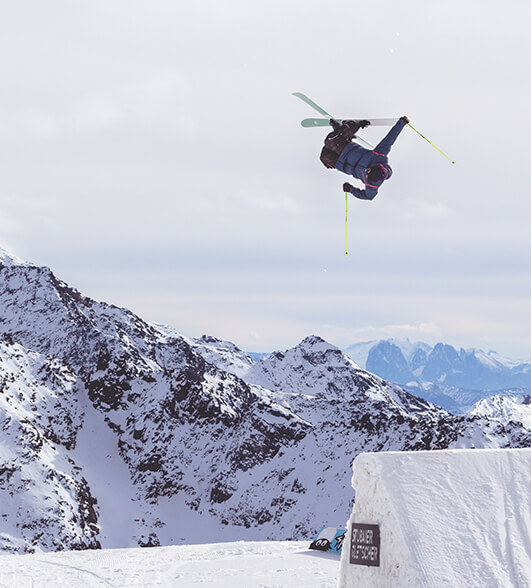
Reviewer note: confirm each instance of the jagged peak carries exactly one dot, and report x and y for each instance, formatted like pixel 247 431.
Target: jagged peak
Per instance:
pixel 8 259
pixel 316 343
pixel 215 342
pixel 209 339
pixel 311 351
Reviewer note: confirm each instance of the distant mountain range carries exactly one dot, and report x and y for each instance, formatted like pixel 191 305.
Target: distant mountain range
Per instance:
pixel 453 379
pixel 116 432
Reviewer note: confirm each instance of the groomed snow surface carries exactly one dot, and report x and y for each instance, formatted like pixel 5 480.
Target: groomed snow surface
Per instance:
pixel 221 565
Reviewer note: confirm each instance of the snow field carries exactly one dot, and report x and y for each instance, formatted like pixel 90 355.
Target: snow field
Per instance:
pixel 223 565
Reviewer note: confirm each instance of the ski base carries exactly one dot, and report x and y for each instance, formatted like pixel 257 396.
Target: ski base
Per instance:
pixel 325 122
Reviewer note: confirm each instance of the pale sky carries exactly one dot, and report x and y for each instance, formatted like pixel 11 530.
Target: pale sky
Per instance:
pixel 151 154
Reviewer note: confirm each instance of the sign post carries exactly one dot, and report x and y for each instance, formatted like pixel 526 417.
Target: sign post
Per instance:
pixel 365 545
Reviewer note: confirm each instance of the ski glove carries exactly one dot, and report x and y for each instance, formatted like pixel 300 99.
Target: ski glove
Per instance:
pixel 364 123
pixel 347 187
pixel 405 119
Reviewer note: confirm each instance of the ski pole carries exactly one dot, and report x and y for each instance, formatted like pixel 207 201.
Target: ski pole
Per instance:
pixel 419 133
pixel 346 223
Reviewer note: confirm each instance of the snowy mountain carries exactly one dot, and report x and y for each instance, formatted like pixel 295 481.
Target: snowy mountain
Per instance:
pixel 119 433
pixel 453 379
pixel 505 409
pixel 45 500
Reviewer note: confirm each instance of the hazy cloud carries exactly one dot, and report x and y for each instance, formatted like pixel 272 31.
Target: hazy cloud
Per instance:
pixel 152 155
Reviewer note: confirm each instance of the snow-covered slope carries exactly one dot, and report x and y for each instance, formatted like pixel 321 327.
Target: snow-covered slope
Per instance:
pixel 316 371
pixel 45 501
pixel 505 409
pixel 228 565
pixel 119 432
pixel 441 374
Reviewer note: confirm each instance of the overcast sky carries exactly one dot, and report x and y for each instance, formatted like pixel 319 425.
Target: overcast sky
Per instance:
pixel 151 154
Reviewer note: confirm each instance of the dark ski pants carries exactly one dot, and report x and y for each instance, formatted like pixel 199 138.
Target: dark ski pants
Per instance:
pixel 384 146
pixel 334 144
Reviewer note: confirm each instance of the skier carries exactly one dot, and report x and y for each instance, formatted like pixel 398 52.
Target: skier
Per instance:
pixel 371 167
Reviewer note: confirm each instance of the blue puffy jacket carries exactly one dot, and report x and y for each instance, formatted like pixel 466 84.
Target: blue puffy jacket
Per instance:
pixel 355 161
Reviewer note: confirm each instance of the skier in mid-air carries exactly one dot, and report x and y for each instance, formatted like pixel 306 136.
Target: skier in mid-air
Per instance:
pixel 371 167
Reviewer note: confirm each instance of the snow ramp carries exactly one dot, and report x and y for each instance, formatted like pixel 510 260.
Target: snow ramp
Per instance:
pixel 456 518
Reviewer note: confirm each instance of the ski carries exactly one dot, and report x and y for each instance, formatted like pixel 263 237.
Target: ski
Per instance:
pixel 320 110
pixel 324 122
pixel 311 103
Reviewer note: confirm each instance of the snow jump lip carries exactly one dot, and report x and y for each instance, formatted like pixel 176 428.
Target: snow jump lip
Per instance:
pixel 452 517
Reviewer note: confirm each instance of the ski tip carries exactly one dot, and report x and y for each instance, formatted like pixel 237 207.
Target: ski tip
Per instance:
pixel 314 122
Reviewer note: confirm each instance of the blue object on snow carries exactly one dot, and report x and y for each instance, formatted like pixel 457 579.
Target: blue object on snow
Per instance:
pixel 329 539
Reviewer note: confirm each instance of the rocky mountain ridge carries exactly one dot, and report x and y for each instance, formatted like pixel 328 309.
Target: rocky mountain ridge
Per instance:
pixel 454 379
pixel 116 432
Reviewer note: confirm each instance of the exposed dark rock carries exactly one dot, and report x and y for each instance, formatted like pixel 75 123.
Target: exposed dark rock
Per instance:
pixel 239 449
